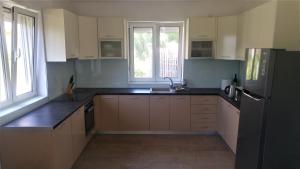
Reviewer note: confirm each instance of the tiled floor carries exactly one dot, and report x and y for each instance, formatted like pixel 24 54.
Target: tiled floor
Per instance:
pixel 156 152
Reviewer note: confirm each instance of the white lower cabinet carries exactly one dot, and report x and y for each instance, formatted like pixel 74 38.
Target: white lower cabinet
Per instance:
pixel 62 146
pixel 43 148
pixel 78 133
pixel 228 123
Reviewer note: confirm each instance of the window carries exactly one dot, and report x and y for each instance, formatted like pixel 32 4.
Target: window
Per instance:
pixel 17 56
pixel 155 51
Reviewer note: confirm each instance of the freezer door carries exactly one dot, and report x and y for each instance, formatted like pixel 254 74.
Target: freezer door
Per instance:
pixel 250 132
pixel 257 70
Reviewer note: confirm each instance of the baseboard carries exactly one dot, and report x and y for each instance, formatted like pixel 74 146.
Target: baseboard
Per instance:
pixel 160 132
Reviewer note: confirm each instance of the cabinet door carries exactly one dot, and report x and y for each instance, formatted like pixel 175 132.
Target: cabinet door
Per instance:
pixel 242 35
pixel 180 116
pixel 71 29
pixel 109 114
pixel 159 113
pixel 110 27
pixel 232 127
pixel 227 35
pixel 221 118
pixel 62 146
pixel 78 132
pixel 55 39
pixel 134 113
pixel 88 43
pixel 202 28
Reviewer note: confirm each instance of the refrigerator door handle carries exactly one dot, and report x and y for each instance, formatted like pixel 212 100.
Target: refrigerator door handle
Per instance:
pixel 248 95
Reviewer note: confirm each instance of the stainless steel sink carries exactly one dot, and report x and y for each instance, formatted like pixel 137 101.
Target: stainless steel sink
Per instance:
pixel 161 90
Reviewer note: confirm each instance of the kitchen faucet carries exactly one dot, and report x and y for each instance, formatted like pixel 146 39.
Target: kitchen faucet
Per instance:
pixel 172 86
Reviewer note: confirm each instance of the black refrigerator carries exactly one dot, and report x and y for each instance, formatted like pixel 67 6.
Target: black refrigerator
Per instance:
pixel 269 127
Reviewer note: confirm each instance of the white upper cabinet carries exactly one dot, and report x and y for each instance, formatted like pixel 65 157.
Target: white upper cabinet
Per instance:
pixel 110 28
pixel 227 38
pixel 88 42
pixel 111 37
pixel 202 28
pixel 274 24
pixel 61 35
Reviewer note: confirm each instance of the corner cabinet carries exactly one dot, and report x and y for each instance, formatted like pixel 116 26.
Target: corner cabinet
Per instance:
pixel 88 42
pixel 61 35
pixel 227 38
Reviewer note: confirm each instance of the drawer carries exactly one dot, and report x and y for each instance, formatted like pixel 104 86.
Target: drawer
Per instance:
pixel 204 109
pixel 205 126
pixel 203 117
pixel 204 100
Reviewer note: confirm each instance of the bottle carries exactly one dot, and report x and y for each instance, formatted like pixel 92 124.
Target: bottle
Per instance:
pixel 235 80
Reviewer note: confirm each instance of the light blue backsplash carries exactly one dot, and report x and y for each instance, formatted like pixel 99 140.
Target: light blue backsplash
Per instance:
pixel 59 74
pixel 208 73
pixel 202 73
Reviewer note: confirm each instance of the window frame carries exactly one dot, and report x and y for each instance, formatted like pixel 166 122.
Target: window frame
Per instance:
pixel 5 67
pixel 156 51
pixel 11 82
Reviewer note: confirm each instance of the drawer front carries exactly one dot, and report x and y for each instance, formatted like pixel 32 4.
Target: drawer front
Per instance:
pixel 198 118
pixel 204 126
pixel 204 109
pixel 204 100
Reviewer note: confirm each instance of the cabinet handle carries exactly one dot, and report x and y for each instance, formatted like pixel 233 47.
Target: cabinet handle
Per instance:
pixel 179 98
pixel 107 97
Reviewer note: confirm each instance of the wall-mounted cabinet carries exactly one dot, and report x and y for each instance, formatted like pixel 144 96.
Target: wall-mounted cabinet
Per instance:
pixel 227 38
pixel 201 37
pixel 111 37
pixel 110 27
pixel 88 41
pixel 202 28
pixel 61 35
pixel 274 24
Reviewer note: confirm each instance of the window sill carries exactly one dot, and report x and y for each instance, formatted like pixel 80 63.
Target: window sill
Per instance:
pixel 12 112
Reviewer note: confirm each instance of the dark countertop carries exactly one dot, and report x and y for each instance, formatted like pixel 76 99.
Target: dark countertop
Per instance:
pixel 51 114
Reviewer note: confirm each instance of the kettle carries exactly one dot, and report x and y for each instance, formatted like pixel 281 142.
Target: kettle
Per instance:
pixel 230 90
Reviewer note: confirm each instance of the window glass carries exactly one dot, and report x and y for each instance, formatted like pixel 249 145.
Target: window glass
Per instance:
pixel 8 37
pixel 169 52
pixel 155 51
pixel 143 52
pixel 24 54
pixel 3 90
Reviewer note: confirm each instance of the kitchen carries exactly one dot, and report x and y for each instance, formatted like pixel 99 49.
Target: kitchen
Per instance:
pixel 99 92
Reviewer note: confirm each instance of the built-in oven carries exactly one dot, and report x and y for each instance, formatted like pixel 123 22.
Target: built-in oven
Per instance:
pixel 89 116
